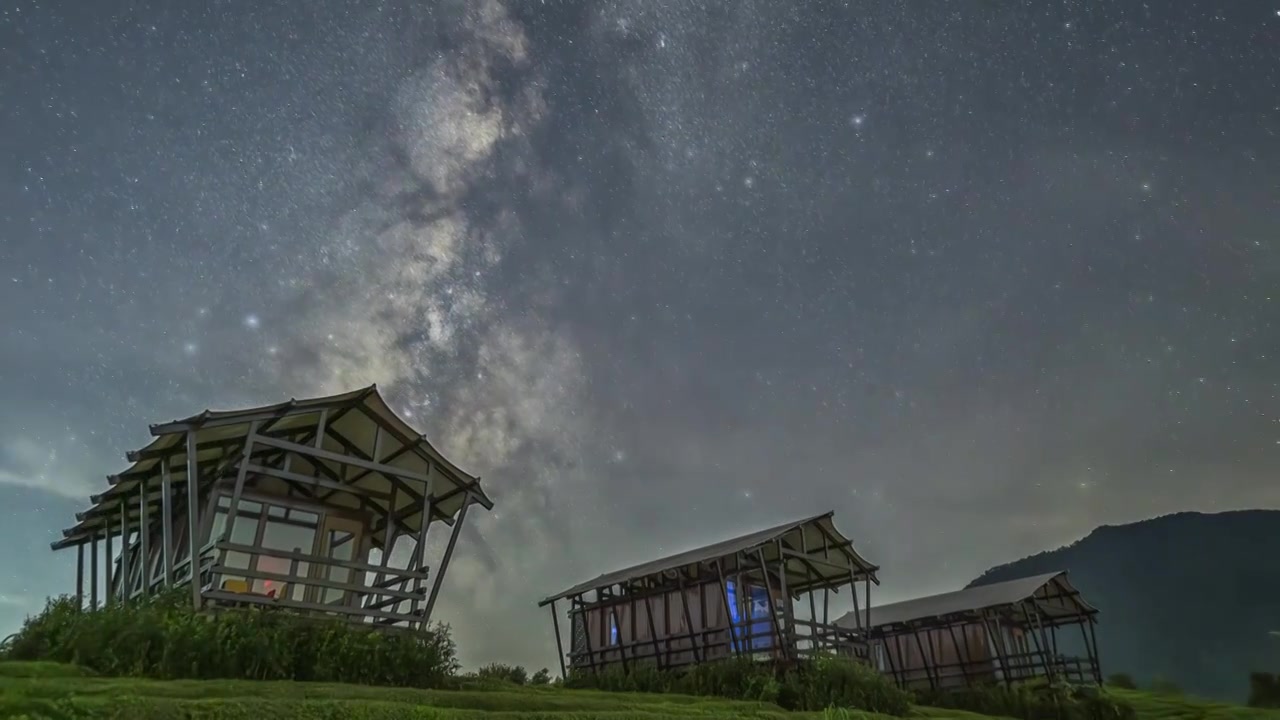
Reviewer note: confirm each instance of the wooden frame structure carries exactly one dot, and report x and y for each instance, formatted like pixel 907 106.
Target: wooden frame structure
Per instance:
pixel 739 597
pixel 999 633
pixel 283 505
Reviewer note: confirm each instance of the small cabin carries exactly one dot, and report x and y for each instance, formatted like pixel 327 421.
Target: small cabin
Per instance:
pixel 757 596
pixel 1035 627
pixel 295 505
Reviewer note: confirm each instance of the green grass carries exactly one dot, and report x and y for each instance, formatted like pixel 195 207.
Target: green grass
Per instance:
pixel 49 691
pixel 1156 706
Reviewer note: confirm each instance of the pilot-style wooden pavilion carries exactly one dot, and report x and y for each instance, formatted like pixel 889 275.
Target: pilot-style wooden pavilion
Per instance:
pixel 283 506
pixel 1001 632
pixel 740 597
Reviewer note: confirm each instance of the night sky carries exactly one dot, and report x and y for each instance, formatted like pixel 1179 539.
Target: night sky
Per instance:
pixel 978 277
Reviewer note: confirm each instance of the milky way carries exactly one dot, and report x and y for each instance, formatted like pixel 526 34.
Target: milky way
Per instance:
pixel 976 279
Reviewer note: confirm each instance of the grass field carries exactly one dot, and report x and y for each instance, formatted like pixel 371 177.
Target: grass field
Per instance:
pixel 46 691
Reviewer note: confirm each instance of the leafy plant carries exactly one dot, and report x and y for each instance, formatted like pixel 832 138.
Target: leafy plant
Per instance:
pixel 542 677
pixel 162 637
pixel 816 685
pixel 514 674
pixel 1264 690
pixel 1034 701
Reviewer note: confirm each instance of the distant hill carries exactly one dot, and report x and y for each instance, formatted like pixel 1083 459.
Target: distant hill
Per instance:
pixel 1192 598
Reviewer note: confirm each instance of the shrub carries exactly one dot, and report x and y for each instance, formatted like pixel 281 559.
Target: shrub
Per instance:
pixel 817 685
pixel 542 677
pixel 162 637
pixel 1124 681
pixel 1034 701
pixel 1164 686
pixel 1264 690
pixel 514 674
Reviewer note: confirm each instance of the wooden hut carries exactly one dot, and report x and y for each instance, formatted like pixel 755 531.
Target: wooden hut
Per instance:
pixel 285 505
pixel 1002 632
pixel 757 595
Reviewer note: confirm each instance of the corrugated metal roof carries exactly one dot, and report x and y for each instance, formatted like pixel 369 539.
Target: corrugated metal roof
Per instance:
pixel 971 599
pixel 819 523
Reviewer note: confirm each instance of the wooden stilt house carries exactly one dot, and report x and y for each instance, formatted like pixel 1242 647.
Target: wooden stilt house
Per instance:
pixel 757 595
pixel 1035 627
pixel 292 505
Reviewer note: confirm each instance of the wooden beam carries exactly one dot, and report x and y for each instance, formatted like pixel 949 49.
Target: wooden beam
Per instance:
pixel 338 458
pixel 444 562
pixel 555 624
pixel 166 528
pixel 80 577
pixel 144 542
pixel 93 572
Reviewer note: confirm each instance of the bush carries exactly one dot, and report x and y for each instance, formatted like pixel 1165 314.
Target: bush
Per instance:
pixel 1124 681
pixel 1264 690
pixel 514 674
pixel 1034 701
pixel 1163 686
pixel 542 677
pixel 817 685
pixel 162 637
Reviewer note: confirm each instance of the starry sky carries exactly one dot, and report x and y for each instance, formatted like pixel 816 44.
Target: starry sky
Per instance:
pixel 977 277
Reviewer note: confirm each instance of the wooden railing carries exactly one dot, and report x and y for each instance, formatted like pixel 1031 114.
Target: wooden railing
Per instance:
pixel 360 600
pixel 717 643
pixel 1013 668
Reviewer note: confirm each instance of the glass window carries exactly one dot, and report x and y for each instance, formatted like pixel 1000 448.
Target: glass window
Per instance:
pixel 289 537
pixel 735 614
pixel 613 628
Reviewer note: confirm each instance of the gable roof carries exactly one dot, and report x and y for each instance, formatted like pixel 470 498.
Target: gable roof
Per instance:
pixel 366 423
pixel 975 599
pixel 818 526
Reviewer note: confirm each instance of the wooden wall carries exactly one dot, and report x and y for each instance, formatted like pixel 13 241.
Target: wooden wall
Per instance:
pixel 939 652
pixel 661 620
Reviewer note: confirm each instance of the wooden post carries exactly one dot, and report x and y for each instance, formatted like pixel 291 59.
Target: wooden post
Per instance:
pixel 1095 656
pixel 555 623
pixel 964 662
pixel 688 621
pixel 108 568
pixel 444 561
pixel 80 576
pixel 653 632
pixel 144 542
pixel 124 551
pixel 930 672
pixel 773 613
pixel 233 511
pixel 586 633
pixel 997 642
pixel 166 520
pixel 888 658
pixel 1042 643
pixel 853 591
pixel 866 582
pixel 193 517
pixel 728 612
pixel 93 571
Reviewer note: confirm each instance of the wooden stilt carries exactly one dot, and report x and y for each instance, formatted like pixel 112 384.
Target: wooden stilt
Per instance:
pixel 444 561
pixel 93 571
pixel 193 517
pixel 144 541
pixel 166 520
pixel 80 576
pixel 555 623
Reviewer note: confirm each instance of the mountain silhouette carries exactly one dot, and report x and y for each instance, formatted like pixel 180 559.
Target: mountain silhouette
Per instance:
pixel 1190 598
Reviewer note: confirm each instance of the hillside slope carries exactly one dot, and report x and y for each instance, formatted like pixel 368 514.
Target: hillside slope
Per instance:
pixel 1189 597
